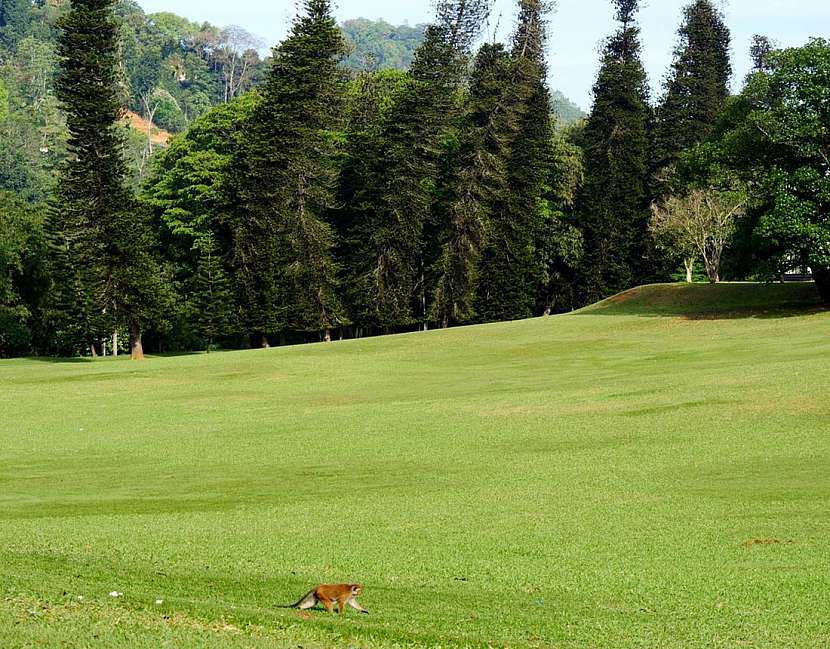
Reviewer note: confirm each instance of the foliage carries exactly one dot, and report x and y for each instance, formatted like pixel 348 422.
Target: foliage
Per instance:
pixel 23 281
pixel 612 208
pixel 559 247
pixel 375 44
pixel 510 269
pixel 211 303
pixel 774 137
pixel 697 86
pixel 283 243
pixel 698 225
pixel 103 250
pixel 566 112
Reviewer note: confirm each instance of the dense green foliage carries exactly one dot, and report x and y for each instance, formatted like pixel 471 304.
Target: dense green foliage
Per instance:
pixel 613 206
pixel 347 200
pixel 375 44
pixel 22 274
pixel 486 489
pixel 282 242
pixel 698 84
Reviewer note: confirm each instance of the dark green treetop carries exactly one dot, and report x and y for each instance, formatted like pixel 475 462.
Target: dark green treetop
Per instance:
pixel 612 209
pixel 697 85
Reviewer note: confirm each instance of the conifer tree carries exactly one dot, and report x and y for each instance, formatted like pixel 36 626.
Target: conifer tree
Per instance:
pixel 394 267
pixel 102 246
pixel 612 208
pixel 283 243
pixel 697 86
pixel 479 180
pixel 357 219
pixel 510 270
pixel 212 300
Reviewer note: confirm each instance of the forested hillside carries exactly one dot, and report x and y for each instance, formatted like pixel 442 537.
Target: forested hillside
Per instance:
pixel 170 71
pixel 330 202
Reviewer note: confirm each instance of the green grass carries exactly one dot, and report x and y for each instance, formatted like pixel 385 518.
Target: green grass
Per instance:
pixel 604 479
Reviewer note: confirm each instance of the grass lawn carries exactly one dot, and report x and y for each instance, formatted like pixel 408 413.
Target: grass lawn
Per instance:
pixel 650 472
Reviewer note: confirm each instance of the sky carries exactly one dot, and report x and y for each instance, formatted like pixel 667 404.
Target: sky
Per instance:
pixel 577 28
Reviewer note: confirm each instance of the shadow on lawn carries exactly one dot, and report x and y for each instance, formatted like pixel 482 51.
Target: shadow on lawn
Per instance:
pixel 121 358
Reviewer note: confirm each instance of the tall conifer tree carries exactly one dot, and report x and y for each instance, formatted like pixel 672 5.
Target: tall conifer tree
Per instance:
pixel 102 246
pixel 510 270
pixel 478 182
pixel 283 242
pixel 613 206
pixel 698 83
pixel 424 111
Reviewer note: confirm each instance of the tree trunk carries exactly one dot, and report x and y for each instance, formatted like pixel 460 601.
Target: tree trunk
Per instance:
pixel 263 342
pixel 93 352
pixel 822 277
pixel 327 336
pixel 136 348
pixel 690 269
pixel 115 343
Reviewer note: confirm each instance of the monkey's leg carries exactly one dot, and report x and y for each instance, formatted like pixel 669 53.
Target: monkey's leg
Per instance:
pixel 329 604
pixel 353 603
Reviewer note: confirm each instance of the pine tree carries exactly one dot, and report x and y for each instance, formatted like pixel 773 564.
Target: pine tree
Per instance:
pixel 612 209
pixel 101 243
pixel 424 111
pixel 212 298
pixel 697 86
pixel 478 180
pixel 362 173
pixel 283 244
pixel 510 271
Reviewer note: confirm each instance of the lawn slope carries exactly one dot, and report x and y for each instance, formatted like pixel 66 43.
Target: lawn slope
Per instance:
pixel 639 474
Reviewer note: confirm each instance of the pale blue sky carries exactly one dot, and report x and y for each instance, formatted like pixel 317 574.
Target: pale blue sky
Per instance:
pixel 577 27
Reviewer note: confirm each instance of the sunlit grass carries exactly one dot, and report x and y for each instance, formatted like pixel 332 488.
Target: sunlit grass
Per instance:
pixel 604 479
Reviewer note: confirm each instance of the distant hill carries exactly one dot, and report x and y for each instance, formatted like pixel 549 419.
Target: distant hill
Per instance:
pixel 378 44
pixel 566 111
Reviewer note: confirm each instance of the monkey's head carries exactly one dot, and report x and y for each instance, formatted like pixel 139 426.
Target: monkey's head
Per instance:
pixel 356 590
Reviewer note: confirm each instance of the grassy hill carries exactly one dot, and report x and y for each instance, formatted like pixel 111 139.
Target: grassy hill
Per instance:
pixel 605 479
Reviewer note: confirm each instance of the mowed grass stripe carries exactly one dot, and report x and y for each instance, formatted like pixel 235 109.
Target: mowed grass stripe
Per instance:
pixel 612 478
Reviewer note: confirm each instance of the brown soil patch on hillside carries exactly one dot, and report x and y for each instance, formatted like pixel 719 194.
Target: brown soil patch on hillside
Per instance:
pixel 158 136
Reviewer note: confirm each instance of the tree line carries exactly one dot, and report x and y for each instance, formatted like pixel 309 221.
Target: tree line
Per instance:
pixel 320 205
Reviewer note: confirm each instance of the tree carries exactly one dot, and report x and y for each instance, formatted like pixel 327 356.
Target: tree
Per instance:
pixel 23 280
pixel 509 269
pixel 235 53
pixel 380 45
pixel 699 225
pixel 4 102
pixel 15 20
pixel 102 248
pixel 415 134
pixel 782 146
pixel 479 179
pixel 613 207
pixel 697 86
pixel 559 245
pixel 212 298
pixel 283 242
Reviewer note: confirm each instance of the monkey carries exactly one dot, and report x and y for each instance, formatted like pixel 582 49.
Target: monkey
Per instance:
pixel 328 594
